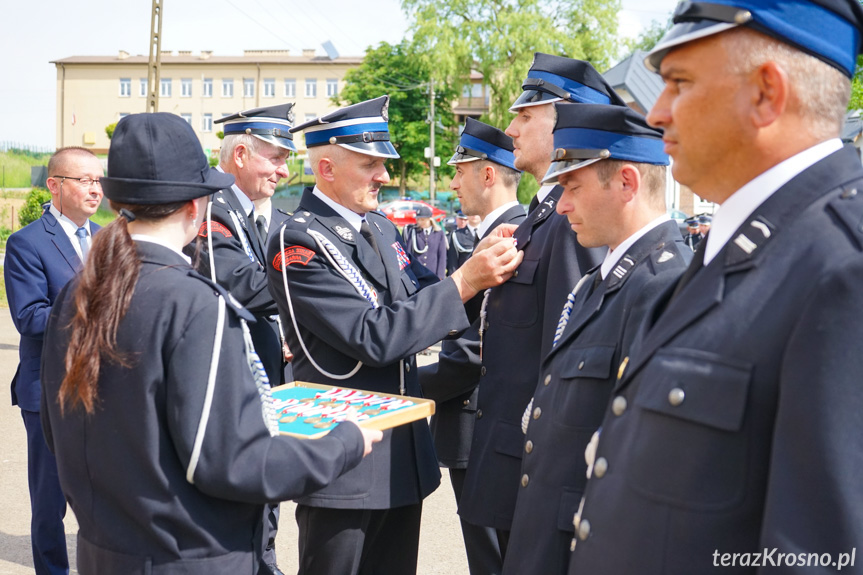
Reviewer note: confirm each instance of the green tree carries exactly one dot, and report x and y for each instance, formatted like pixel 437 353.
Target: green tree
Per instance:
pixel 109 130
pixel 650 36
pixel 398 71
pixel 498 38
pixel 856 102
pixel 32 209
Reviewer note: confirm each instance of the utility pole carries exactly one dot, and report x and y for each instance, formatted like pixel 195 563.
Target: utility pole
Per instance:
pixel 155 64
pixel 431 141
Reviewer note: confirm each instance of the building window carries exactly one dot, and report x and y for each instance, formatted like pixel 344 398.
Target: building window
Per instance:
pixel 166 88
pixel 125 87
pixel 122 115
pixel 187 117
pixel 311 87
pixel 143 88
pixel 207 123
pixel 332 87
pixel 310 117
pixel 207 88
pixel 290 88
pixel 186 88
pixel 248 87
pixel 269 87
pixel 227 88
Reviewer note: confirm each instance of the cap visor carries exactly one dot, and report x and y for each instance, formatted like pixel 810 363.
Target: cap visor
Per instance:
pixel 533 98
pixel 556 169
pixel 382 149
pixel 681 34
pixel 461 159
pixel 283 143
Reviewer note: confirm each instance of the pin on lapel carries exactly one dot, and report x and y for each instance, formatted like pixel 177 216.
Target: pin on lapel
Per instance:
pixel 344 232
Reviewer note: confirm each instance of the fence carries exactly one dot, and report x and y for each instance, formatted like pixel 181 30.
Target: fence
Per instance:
pixel 7 145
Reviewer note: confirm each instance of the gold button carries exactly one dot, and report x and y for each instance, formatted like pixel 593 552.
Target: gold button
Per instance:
pixel 467 402
pixel 453 332
pixel 584 529
pixel 581 366
pixel 482 370
pixel 537 412
pixel 572 545
pixel 479 414
pixel 676 396
pixel 547 380
pixel 515 274
pixel 525 480
pixel 528 446
pixel 600 467
pixel 618 406
pixel 407 367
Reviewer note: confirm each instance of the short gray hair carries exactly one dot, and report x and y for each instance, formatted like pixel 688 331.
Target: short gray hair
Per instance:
pixel 335 153
pixel 821 91
pixel 230 143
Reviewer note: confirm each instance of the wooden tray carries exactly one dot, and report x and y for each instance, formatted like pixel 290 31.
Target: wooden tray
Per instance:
pixel 417 408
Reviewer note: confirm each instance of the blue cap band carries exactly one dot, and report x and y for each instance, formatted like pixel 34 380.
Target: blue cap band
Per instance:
pixel 240 128
pixel 495 154
pixel 318 137
pixel 580 92
pixel 621 147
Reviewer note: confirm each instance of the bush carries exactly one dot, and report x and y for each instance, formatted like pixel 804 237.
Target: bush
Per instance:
pixel 109 130
pixel 32 209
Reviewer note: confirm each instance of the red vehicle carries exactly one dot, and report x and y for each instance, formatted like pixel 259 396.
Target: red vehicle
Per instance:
pixel 403 212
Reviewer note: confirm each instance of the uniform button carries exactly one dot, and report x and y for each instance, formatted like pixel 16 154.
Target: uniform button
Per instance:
pixel 676 396
pixel 482 370
pixel 515 274
pixel 528 446
pixel 618 406
pixel 525 480
pixel 600 467
pixel 407 367
pixel 584 529
pixel 572 545
pixel 453 332
pixel 547 380
pixel 537 412
pixel 479 414
pixel 467 402
pixel 581 366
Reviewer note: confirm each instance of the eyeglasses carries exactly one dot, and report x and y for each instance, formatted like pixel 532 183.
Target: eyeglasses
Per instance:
pixel 85 181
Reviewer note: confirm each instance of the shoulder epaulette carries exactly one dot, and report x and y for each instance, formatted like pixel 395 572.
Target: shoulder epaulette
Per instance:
pixel 848 207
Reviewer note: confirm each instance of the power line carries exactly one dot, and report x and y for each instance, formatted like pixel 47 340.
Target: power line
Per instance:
pixel 244 13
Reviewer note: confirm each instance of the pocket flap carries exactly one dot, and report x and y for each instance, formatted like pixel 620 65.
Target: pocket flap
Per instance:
pixel 587 362
pixel 569 502
pixel 509 439
pixel 696 386
pixel 525 272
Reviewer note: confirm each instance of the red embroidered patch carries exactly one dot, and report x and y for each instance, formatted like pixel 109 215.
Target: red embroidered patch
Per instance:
pixel 293 255
pixel 217 228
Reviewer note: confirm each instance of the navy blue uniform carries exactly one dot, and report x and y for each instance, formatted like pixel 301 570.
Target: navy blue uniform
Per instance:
pixel 735 426
pixel 428 249
pixel 462 241
pixel 573 390
pixel 152 492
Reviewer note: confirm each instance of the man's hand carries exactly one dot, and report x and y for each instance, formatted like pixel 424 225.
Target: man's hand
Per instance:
pixel 490 266
pixel 370 436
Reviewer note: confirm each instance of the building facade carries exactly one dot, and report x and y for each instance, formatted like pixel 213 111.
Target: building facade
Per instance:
pixel 96 91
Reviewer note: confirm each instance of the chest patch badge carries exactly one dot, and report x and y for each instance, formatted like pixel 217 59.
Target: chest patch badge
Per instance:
pixel 292 255
pixel 401 255
pixel 217 229
pixel 346 233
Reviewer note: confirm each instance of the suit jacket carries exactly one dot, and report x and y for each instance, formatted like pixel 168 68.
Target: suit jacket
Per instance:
pixel 40 260
pixel 452 382
pixel 573 390
pixel 124 468
pixel 339 327
pixel 429 250
pixel 243 273
pixel 461 244
pixel 736 423
pixel 522 315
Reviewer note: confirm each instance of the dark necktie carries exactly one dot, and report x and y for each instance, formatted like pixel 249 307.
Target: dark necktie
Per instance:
pixel 82 240
pixel 696 264
pixel 366 232
pixel 261 224
pixel 533 204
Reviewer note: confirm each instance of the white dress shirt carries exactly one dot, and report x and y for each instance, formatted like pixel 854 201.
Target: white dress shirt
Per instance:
pixel 487 221
pixel 70 228
pixel 612 257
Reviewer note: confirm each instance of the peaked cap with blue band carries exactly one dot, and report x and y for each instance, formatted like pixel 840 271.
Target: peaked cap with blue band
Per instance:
pixel 587 133
pixel 361 128
pixel 829 30
pixel 271 124
pixel 480 141
pixel 554 78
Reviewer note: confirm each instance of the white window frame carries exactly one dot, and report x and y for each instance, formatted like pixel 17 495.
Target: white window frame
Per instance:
pixel 290 87
pixel 185 87
pixel 248 87
pixel 227 87
pixel 142 87
pixel 125 87
pixel 207 88
pixel 163 83
pixel 311 87
pixel 269 88
pixel 206 123
pixel 332 87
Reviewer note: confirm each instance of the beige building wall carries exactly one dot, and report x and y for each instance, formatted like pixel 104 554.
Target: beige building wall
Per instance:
pixel 90 94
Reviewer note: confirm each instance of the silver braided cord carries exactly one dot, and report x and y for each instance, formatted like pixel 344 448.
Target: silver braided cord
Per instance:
pixel 345 268
pixel 567 310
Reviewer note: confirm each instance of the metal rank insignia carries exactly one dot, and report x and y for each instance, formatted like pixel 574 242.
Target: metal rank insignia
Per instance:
pixel 345 233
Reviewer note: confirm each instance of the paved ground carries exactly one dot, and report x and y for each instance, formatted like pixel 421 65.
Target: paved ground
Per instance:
pixel 441 550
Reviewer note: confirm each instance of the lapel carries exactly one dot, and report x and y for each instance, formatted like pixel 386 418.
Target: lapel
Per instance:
pixel 588 305
pixel 747 248
pixel 391 266
pixel 542 212
pixel 514 215
pixel 61 241
pixel 245 221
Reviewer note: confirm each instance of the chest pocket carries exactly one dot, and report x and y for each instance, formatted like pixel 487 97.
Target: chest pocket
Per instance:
pixel 409 282
pixel 688 449
pixel 520 306
pixel 583 386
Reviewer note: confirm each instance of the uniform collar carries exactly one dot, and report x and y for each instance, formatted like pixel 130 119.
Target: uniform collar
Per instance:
pixel 353 218
pixel 487 221
pixel 742 203
pixel 160 242
pixel 612 257
pixel 543 192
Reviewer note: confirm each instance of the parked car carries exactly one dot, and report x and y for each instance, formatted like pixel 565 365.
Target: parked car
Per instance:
pixel 403 212
pixel 680 218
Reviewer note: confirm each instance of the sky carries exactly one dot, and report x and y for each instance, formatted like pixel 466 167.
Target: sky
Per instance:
pixel 39 31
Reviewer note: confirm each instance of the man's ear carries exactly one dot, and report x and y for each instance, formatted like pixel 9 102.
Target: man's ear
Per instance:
pixel 326 169
pixel 770 89
pixel 241 155
pixel 630 181
pixel 489 175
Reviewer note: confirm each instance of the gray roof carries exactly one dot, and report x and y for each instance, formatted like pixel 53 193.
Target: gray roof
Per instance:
pixel 631 75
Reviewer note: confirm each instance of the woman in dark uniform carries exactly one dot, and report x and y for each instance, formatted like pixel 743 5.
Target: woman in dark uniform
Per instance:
pixel 153 400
